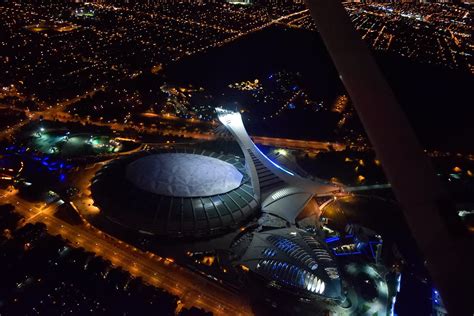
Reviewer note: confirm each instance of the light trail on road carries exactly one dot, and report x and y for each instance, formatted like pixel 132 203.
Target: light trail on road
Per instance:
pixel 153 269
pixel 298 144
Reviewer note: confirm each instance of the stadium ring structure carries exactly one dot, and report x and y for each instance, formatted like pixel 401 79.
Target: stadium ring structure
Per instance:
pixel 176 192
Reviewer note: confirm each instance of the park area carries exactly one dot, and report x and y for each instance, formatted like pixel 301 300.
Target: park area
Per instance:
pixel 71 145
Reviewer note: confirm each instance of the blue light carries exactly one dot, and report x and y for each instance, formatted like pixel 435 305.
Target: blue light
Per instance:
pixel 273 163
pixel 437 299
pixel 331 239
pixel 375 242
pixel 372 250
pixel 399 282
pixel 392 309
pixel 347 253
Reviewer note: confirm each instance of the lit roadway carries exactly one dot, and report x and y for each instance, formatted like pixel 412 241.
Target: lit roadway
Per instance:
pixel 235 34
pixel 192 289
pixel 298 144
pixel 311 145
pixel 47 113
pixel 57 113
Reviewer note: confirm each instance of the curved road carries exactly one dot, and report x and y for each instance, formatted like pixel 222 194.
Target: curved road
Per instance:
pixel 193 289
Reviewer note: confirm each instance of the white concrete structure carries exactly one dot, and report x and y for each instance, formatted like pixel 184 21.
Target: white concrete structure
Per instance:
pixel 281 192
pixel 183 175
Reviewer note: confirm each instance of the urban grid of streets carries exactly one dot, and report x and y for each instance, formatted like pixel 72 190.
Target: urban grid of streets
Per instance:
pixel 151 268
pixel 192 288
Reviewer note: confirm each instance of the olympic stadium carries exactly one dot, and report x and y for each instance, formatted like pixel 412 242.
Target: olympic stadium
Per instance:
pixel 187 191
pixel 190 192
pixel 176 192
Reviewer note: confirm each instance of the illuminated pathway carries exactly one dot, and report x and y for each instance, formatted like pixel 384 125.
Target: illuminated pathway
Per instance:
pixel 234 34
pixel 298 144
pixel 192 289
pixel 56 113
pixel 291 15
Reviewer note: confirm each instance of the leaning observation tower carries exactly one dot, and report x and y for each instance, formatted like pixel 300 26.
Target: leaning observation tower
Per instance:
pixel 281 192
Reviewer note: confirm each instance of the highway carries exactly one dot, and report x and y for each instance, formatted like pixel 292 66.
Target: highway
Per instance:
pixel 193 289
pixel 56 113
pixel 298 144
pixel 311 145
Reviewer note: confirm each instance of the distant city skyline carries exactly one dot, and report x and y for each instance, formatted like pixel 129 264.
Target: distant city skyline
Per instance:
pixel 198 157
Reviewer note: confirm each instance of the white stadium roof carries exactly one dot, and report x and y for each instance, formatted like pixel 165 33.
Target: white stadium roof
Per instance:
pixel 183 175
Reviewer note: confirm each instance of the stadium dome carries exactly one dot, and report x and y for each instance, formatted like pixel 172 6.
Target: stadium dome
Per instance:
pixel 175 192
pixel 183 175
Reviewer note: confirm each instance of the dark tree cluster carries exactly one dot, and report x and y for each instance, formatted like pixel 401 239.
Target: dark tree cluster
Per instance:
pixel 41 274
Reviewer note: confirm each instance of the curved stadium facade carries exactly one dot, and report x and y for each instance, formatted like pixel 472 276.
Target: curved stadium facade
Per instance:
pixel 190 192
pixel 184 192
pixel 291 258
